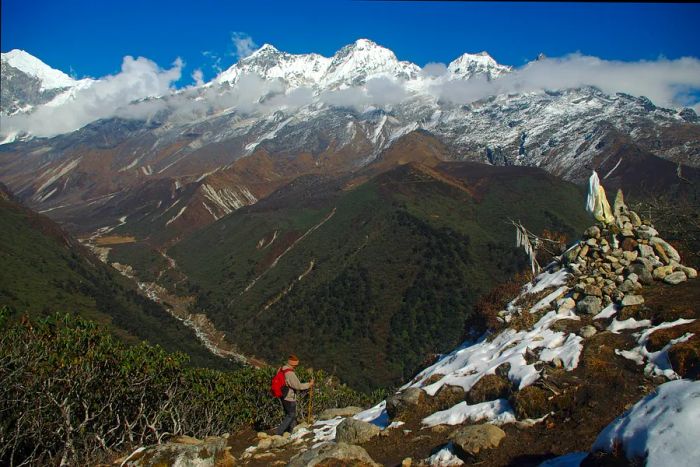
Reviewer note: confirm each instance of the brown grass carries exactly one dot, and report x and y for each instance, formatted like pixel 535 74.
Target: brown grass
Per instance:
pixel 659 338
pixel 530 402
pixel 489 305
pixel 685 358
pixel 114 240
pixel 489 388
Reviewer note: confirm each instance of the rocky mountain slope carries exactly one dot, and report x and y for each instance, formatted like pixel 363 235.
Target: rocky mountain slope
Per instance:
pixel 46 271
pixel 595 362
pixel 274 116
pixel 362 278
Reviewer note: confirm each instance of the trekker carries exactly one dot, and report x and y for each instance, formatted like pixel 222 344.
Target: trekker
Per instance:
pixel 289 401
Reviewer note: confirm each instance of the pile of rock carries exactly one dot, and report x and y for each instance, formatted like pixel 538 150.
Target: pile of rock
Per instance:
pixel 613 262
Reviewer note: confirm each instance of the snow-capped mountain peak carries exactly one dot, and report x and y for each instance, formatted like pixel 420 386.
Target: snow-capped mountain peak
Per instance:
pixel 355 63
pixel 50 78
pixel 270 63
pixel 350 66
pixel 468 65
pixel 266 48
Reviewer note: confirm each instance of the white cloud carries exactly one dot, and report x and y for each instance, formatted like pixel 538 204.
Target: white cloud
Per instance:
pixel 139 78
pixel 215 61
pixel 433 70
pixel 665 82
pixel 244 44
pixel 198 77
pixel 668 83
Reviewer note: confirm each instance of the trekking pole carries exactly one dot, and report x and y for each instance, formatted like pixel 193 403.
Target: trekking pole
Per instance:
pixel 311 404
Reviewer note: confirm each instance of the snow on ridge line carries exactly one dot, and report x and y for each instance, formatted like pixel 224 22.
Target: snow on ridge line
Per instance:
pixel 362 58
pixel 25 62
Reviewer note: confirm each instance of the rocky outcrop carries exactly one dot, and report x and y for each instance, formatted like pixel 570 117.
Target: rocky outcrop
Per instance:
pixel 353 431
pixel 333 454
pixel 339 412
pixel 183 451
pixel 470 440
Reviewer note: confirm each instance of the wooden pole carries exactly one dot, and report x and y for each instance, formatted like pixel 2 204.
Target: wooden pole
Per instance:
pixel 311 404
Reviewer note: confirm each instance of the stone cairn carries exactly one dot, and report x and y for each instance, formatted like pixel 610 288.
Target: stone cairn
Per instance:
pixel 614 260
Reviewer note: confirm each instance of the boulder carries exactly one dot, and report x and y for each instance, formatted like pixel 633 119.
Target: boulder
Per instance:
pixel 330 453
pixel 339 412
pixel 630 255
pixel 584 251
pixel 589 305
pixel 662 245
pixel 675 278
pixel 278 441
pixel 691 273
pixel 628 286
pixel 619 206
pixel 468 441
pixel 353 431
pixel 567 304
pixel 587 331
pixel 646 232
pixel 629 244
pixel 631 300
pixel 634 219
pixel 645 251
pixel 184 439
pixel 592 232
pixel 644 275
pixel 190 451
pixel 662 271
pixel 592 290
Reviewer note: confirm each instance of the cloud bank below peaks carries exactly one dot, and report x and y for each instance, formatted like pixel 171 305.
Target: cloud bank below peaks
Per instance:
pixel 139 78
pixel 668 83
pixel 132 93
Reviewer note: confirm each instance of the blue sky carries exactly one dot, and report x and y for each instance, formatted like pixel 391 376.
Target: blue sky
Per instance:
pixel 89 38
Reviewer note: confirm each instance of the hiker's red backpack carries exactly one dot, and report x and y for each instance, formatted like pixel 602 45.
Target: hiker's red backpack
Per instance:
pixel 278 387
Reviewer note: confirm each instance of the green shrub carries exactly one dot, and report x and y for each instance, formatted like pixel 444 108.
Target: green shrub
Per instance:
pixel 71 393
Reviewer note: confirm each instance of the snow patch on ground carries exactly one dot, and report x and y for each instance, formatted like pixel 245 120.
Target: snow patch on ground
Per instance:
pixel 497 412
pixel 631 323
pixel 547 301
pixel 465 366
pixel 658 363
pixel 662 428
pixel 607 312
pixel 546 280
pixel 376 415
pixel 445 456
